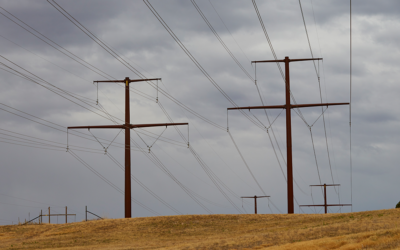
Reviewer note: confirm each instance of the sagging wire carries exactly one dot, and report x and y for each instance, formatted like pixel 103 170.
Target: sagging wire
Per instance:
pixel 244 207
pixel 149 147
pixel 188 144
pixel 227 120
pixel 157 92
pixel 113 139
pixel 67 141
pixel 318 117
pixel 315 156
pixel 141 138
pixel 255 73
pixel 270 123
pixel 97 100
pixel 312 198
pixel 157 139
pixel 97 140
pixel 105 148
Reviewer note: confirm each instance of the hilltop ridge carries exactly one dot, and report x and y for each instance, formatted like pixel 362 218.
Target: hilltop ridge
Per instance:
pixel 369 230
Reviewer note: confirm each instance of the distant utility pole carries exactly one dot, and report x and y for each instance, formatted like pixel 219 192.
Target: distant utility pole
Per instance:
pixel 325 201
pixel 255 197
pixel 127 126
pixel 288 108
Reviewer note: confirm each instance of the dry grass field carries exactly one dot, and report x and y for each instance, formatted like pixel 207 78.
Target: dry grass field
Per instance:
pixel 364 230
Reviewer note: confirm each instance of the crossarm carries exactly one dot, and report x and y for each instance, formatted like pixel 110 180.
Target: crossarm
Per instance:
pixel 100 126
pixel 290 60
pixel 291 106
pixel 135 80
pixel 328 205
pixel 156 125
pixel 318 104
pixel 254 196
pixel 261 107
pixel 328 185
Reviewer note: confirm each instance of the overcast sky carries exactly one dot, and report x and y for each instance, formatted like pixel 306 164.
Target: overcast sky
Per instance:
pixel 38 172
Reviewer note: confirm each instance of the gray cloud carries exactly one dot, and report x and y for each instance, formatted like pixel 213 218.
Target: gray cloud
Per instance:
pixel 56 178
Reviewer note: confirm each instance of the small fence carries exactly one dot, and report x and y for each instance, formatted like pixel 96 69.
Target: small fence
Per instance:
pixel 40 217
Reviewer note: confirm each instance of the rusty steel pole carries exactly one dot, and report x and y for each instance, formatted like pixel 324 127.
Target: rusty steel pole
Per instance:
pixel 127 127
pixel 326 204
pixel 288 107
pixel 255 204
pixel 128 202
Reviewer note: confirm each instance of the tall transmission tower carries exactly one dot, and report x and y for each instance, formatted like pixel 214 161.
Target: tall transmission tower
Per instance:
pixel 326 205
pixel 128 126
pixel 288 106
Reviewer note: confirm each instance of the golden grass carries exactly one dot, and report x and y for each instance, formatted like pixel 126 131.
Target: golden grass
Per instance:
pixel 363 230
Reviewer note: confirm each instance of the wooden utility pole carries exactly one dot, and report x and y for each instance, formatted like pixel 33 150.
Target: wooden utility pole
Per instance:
pixel 127 126
pixel 326 205
pixel 255 197
pixel 288 106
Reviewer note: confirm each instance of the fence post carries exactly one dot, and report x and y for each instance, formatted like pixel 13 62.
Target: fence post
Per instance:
pixel 41 217
pixel 85 213
pixel 49 215
pixel 66 215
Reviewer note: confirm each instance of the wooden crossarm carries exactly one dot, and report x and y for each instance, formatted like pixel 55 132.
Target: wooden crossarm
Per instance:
pixel 99 126
pixel 317 104
pixel 328 205
pixel 261 107
pixel 291 106
pixel 135 80
pixel 130 125
pixel 328 185
pixel 156 125
pixel 254 196
pixel 290 60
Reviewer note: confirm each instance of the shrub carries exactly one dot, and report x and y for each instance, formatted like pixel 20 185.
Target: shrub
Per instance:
pixel 398 205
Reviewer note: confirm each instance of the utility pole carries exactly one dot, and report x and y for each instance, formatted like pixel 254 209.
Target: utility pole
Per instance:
pixel 326 205
pixel 288 107
pixel 255 197
pixel 127 126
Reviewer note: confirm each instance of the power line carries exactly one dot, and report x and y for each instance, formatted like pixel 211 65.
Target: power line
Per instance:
pixel 126 64
pixel 207 170
pixel 274 54
pixel 220 40
pixel 144 186
pixel 71 56
pixel 193 59
pixel 320 94
pixel 109 182
pixel 228 30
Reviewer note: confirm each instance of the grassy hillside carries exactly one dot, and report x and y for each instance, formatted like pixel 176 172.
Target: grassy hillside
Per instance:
pixel 364 230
